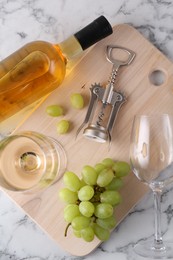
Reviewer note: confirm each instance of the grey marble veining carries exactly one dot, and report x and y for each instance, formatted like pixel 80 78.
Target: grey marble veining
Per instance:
pixel 22 21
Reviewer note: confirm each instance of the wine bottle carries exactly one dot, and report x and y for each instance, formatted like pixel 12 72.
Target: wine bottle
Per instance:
pixel 39 67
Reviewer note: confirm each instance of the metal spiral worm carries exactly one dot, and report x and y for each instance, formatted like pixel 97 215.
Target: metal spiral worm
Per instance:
pixel 101 115
pixel 113 76
pixel 111 81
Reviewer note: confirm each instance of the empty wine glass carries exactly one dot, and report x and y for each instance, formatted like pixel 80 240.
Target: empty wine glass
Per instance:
pixel 30 161
pixel 151 157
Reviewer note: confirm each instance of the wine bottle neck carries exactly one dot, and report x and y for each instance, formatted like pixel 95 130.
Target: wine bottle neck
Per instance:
pixel 70 48
pixel 86 37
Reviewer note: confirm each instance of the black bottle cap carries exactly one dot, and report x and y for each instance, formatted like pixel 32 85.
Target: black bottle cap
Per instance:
pixel 94 32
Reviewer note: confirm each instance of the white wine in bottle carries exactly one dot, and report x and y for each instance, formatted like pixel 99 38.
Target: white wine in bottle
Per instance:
pixel 39 67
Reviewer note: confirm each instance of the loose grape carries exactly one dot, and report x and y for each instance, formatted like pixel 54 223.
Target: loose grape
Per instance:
pixel 107 223
pixel 115 184
pixel 105 177
pixel 77 100
pixel 54 110
pixel 121 169
pixel 68 196
pixel 101 233
pixel 71 181
pixel 89 175
pixel 62 127
pixel 108 162
pixel 86 208
pixel 111 197
pixel 80 222
pixel 85 193
pixel 70 212
pixel 87 234
pixel 103 210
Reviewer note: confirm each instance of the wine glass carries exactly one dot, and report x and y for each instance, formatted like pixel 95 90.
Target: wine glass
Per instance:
pixel 151 158
pixel 30 161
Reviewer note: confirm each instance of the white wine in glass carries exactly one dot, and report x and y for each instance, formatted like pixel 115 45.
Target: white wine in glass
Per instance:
pixel 151 158
pixel 30 161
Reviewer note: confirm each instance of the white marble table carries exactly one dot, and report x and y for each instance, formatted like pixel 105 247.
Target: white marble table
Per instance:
pixel 22 21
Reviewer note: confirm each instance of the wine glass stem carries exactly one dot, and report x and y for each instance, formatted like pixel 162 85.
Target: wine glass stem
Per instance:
pixel 158 242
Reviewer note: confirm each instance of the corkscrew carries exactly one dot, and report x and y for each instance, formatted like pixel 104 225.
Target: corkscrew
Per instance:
pixel 100 130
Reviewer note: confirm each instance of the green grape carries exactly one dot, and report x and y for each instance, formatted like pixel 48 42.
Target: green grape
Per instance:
pixel 62 127
pixel 80 222
pixel 87 234
pixel 107 223
pixel 71 181
pixel 54 110
pixel 77 100
pixel 103 210
pixel 108 162
pixel 121 169
pixel 115 184
pixel 89 175
pixel 77 233
pixel 85 193
pixel 101 233
pixel 70 212
pixel 86 208
pixel 111 197
pixel 99 167
pixel 68 196
pixel 105 177
pixel 82 183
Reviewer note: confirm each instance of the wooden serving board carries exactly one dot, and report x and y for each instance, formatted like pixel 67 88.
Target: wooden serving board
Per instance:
pixel 45 208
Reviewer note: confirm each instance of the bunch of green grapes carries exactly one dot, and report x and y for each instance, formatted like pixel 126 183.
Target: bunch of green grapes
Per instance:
pixel 90 201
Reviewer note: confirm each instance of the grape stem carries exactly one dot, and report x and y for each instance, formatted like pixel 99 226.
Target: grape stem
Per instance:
pixel 66 229
pixel 99 189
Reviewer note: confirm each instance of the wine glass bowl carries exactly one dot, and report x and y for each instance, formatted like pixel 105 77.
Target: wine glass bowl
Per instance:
pixel 151 149
pixel 30 161
pixel 151 158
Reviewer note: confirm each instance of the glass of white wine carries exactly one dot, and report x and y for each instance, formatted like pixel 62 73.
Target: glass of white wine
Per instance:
pixel 30 161
pixel 151 157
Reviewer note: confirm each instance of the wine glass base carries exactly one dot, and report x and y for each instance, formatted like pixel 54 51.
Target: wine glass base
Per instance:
pixel 149 250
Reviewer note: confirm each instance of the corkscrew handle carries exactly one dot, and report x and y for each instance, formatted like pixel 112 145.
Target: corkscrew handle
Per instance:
pixel 117 63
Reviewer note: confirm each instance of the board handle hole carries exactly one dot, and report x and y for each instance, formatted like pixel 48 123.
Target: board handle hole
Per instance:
pixel 157 77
